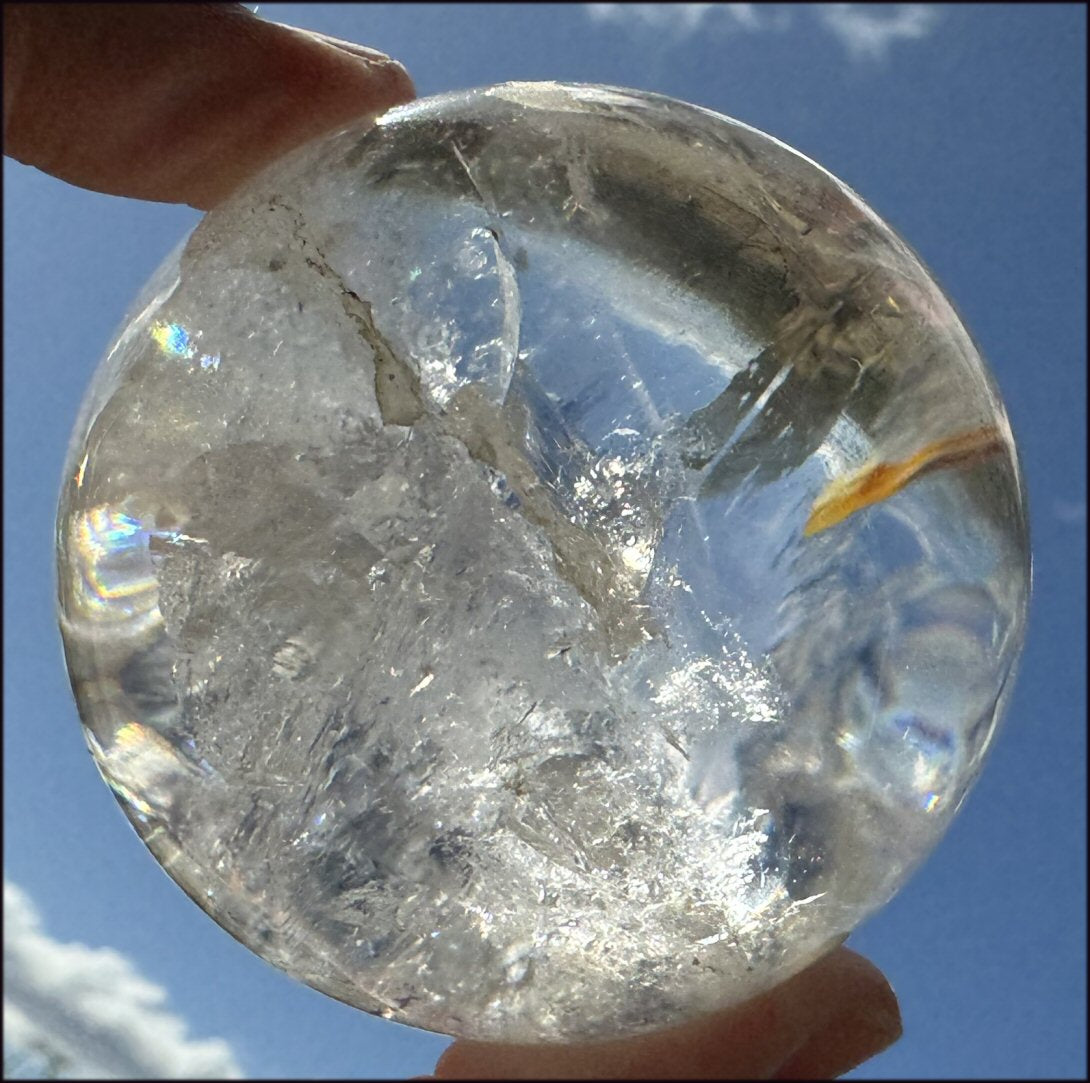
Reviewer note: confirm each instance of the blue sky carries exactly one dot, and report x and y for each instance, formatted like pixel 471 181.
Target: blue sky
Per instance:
pixel 964 127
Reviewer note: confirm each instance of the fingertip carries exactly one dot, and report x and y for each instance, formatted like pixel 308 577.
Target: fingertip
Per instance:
pixel 843 982
pixel 862 1016
pixel 386 81
pixel 310 84
pixel 398 85
pixel 842 1044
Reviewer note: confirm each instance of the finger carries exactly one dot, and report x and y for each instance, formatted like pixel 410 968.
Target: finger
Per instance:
pixel 829 1018
pixel 175 102
pixel 842 1044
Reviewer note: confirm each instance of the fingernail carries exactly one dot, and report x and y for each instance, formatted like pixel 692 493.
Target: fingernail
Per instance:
pixel 383 70
pixel 393 71
pixel 364 52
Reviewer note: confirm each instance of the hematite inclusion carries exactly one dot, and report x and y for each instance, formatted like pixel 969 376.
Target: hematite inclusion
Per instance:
pixel 543 567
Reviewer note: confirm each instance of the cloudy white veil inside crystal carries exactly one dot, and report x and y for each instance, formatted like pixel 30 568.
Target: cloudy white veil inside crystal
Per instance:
pixel 543 567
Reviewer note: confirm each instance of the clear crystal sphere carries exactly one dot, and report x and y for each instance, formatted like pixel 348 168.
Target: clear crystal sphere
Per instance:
pixel 543 567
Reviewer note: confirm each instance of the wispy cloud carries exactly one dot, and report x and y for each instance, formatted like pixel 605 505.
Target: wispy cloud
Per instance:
pixel 1070 511
pixel 866 31
pixel 868 35
pixel 680 20
pixel 88 1013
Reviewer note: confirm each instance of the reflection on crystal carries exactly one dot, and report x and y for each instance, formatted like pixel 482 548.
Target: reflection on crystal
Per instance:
pixel 591 586
pixel 143 767
pixel 114 575
pixel 174 339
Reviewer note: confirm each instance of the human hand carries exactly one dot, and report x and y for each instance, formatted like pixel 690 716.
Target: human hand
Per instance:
pixel 827 1019
pixel 180 103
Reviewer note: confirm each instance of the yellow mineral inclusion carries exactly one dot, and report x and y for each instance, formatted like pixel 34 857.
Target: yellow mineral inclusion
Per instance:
pixel 871 484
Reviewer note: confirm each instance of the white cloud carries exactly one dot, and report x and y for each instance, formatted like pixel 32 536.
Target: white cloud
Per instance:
pixel 867 35
pixel 865 31
pixel 1070 511
pixel 90 1014
pixel 680 19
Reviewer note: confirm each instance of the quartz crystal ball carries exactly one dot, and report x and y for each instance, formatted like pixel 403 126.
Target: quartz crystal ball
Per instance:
pixel 542 567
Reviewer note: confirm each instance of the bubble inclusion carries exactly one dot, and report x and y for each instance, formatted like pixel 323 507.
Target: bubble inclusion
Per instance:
pixel 582 583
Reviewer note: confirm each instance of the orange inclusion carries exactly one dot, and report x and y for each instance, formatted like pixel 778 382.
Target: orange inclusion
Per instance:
pixel 845 496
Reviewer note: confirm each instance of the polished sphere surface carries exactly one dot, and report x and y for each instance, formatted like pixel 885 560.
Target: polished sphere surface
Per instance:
pixel 544 566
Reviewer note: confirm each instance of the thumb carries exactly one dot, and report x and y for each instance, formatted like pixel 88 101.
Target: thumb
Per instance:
pixel 176 102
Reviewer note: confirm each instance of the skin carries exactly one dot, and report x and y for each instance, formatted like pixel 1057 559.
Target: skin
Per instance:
pixel 176 103
pixel 180 103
